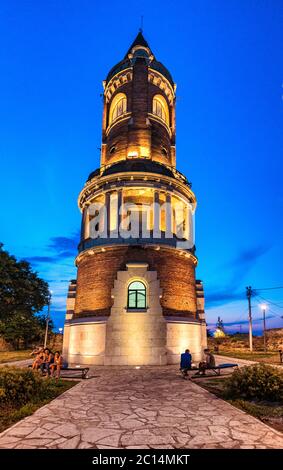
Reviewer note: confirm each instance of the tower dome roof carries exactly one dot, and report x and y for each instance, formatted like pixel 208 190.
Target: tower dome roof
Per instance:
pixel 139 165
pixel 143 52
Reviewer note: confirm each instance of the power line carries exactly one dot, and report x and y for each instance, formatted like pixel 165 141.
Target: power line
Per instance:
pixel 268 288
pixel 267 301
pixel 275 314
pixel 270 301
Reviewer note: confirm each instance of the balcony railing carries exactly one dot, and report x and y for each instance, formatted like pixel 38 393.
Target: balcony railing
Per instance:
pixel 118 240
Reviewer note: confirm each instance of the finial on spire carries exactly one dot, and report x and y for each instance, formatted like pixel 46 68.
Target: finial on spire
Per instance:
pixel 141 27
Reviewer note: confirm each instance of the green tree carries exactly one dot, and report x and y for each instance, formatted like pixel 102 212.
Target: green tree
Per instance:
pixel 22 296
pixel 24 329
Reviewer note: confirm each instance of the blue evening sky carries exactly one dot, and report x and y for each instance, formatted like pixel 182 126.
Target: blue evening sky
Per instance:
pixel 226 58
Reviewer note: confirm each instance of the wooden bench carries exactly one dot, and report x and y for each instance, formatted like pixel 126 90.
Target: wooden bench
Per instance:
pixel 82 370
pixel 215 369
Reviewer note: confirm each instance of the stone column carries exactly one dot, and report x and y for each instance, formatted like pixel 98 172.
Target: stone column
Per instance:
pixel 119 205
pixel 189 226
pixel 185 223
pixel 168 233
pixel 156 215
pixel 83 224
pixel 86 224
pixel 106 223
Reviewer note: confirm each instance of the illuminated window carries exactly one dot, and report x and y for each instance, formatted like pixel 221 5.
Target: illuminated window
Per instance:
pixel 160 108
pixel 136 295
pixel 118 107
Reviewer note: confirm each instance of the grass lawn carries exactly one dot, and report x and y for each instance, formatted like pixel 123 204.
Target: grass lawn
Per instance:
pixel 259 356
pixel 270 413
pixel 10 414
pixel 11 356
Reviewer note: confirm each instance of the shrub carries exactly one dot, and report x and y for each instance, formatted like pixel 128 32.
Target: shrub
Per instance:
pixel 257 382
pixel 18 386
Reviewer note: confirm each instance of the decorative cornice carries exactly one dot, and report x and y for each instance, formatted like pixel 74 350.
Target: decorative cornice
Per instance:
pixel 122 77
pixel 118 180
pixel 187 320
pixel 76 320
pixel 159 80
pixel 159 247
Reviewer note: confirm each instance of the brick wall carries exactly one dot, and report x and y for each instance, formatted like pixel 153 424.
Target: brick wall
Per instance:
pixel 96 275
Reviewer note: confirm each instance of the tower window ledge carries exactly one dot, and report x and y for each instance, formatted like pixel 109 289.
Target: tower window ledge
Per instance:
pixel 119 119
pixel 136 310
pixel 135 155
pixel 160 121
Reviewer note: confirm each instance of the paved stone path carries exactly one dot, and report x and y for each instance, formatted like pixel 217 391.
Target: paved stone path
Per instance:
pixel 21 363
pixel 151 407
pixel 242 362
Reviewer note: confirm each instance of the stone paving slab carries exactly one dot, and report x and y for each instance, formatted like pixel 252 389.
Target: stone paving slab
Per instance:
pixel 151 407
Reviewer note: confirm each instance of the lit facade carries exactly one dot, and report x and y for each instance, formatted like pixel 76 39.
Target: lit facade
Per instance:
pixel 136 300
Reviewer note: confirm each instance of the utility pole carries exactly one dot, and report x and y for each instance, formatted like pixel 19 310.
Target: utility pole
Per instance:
pixel 264 331
pixel 249 294
pixel 263 307
pixel 47 320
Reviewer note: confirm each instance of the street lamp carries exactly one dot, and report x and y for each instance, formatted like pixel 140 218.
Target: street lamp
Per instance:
pixel 47 318
pixel 263 308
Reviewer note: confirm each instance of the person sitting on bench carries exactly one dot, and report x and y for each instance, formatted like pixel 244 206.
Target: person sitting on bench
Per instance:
pixel 37 350
pixel 39 358
pixel 208 363
pixel 56 365
pixel 48 359
pixel 186 362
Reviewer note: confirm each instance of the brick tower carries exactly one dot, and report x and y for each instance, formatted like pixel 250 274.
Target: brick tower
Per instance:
pixel 136 300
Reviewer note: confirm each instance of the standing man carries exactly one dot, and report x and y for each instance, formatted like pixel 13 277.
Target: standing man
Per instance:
pixel 186 362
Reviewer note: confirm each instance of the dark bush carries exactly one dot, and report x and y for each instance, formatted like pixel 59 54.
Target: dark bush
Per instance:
pixel 19 386
pixel 257 382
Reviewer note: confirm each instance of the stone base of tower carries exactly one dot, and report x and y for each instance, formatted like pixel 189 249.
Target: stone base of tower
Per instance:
pixel 130 337
pixel 136 342
pixel 84 342
pixel 185 335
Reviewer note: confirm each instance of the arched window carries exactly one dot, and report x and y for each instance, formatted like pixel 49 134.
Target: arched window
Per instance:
pixel 118 107
pixel 160 108
pixel 136 295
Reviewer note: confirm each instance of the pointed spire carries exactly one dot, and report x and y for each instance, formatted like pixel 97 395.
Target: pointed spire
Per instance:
pixel 139 41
